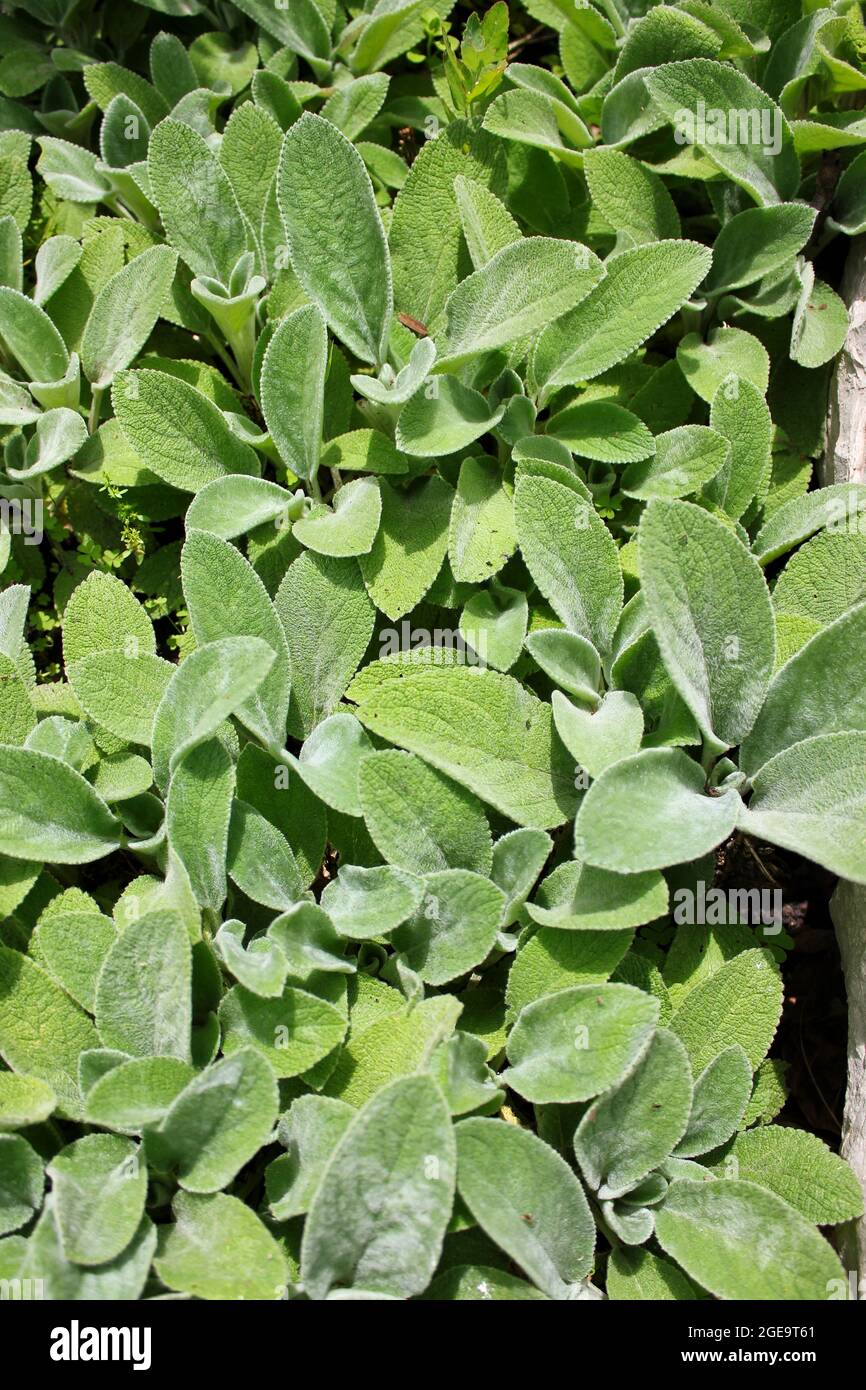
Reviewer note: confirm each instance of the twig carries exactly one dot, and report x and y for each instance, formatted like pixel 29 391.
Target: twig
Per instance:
pixel 95 409
pixel 826 1104
pixel 759 861
pixel 517 45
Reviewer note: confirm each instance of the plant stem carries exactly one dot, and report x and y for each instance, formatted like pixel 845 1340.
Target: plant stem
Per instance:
pixel 95 408
pixel 611 1236
pixel 226 360
pixel 610 9
pixel 709 755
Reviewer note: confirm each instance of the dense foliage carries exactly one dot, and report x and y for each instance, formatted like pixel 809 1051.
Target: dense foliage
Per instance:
pixel 414 571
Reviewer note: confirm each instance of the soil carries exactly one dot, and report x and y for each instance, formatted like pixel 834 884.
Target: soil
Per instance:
pixel 812 1034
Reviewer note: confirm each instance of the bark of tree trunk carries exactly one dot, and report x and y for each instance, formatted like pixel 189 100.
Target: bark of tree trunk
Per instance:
pixel 844 461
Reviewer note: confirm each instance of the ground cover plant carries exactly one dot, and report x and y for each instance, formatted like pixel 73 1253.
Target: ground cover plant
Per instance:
pixel 416 587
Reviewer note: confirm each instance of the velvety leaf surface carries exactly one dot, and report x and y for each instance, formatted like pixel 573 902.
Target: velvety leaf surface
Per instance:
pixel 505 1175
pixel 733 1236
pixel 379 1215
pixel 432 593
pixel 574 1044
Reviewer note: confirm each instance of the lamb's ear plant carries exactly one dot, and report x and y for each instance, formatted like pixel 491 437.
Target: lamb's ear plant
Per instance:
pixel 414 588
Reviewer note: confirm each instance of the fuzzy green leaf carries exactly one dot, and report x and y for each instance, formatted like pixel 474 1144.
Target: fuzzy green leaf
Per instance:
pixel 226 598
pixel 124 313
pixel 196 201
pixel 176 431
pixel 143 995
pixel 418 819
pixel 711 614
pixel 811 798
pixel 740 1241
pixel 517 293
pixel 328 619
pixel 379 1214
pixel 42 1032
pixel 484 730
pixel 740 1004
pixel 526 1198
pixel 205 689
pixel 640 291
pixel 454 928
pixel 99 1185
pixel 633 1128
pixel 651 810
pixel 572 557
pixel 799 1168
pixel 577 1043
pixel 719 1102
pixel 410 545
pixel 761 158
pixel 336 239
pixel 293 388
pixel 50 813
pixel 217 1123
pixel 217 1248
